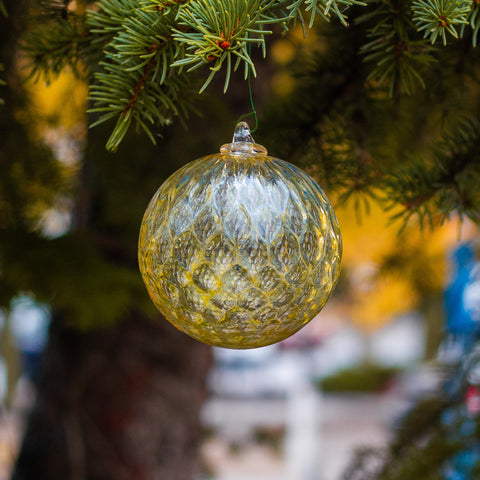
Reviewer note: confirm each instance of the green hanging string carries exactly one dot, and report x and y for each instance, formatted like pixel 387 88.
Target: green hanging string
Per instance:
pixel 253 112
pixel 250 96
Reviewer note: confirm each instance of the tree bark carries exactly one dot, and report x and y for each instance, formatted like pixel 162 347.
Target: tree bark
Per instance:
pixel 116 404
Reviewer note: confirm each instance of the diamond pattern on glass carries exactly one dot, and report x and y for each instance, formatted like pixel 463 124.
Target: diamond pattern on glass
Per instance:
pixel 240 249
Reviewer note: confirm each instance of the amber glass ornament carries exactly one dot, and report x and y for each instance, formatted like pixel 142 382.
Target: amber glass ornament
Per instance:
pixel 240 249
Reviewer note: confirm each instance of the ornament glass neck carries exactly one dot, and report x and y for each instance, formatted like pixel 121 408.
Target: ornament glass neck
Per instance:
pixel 243 143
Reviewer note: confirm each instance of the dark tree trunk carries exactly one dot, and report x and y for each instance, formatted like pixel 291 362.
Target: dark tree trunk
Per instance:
pixel 117 404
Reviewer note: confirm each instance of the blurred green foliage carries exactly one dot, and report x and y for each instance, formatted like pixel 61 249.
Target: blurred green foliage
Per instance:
pixel 363 378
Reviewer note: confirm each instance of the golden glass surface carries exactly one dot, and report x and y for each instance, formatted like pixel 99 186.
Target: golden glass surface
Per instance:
pixel 239 249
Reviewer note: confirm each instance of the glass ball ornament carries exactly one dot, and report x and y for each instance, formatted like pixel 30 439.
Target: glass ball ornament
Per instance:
pixel 239 249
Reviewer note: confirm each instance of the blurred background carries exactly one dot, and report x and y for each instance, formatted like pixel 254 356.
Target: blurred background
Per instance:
pixel 86 393
pixel 299 409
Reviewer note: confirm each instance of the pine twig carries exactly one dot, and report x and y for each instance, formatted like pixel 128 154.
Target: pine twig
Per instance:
pixel 444 185
pixel 54 45
pixel 394 49
pixel 439 17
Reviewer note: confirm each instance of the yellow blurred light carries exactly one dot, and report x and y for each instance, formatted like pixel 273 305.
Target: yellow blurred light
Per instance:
pixel 282 84
pixel 63 102
pixel 282 52
pixel 372 238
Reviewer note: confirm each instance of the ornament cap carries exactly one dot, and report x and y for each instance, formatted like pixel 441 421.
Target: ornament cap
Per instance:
pixel 243 142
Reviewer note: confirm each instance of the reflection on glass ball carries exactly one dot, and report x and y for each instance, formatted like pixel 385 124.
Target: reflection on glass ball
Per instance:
pixel 240 249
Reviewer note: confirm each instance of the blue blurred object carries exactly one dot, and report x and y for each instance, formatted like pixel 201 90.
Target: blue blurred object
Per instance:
pixel 468 428
pixel 461 466
pixel 462 325
pixel 449 473
pixel 30 321
pixel 450 417
pixel 459 320
pixel 465 461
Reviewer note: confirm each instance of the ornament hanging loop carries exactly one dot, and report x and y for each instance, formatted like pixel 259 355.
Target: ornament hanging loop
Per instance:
pixel 250 96
pixel 242 133
pixel 243 143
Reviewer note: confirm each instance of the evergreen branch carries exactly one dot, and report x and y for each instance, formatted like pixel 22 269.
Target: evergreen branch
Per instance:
pixel 47 10
pixel 54 45
pixel 429 438
pixel 474 22
pixel 445 184
pixel 164 6
pixel 3 10
pixel 157 35
pixel 324 8
pixel 142 43
pixel 142 47
pixel 439 17
pixel 144 88
pixel 398 55
pixel 347 167
pixel 146 44
pixel 134 96
pixel 107 21
pixel 215 32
